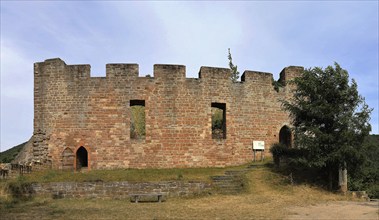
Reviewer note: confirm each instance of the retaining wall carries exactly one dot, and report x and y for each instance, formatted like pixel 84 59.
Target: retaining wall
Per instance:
pixel 119 190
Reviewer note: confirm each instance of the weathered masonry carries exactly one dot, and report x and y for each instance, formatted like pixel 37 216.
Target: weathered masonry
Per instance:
pixel 84 121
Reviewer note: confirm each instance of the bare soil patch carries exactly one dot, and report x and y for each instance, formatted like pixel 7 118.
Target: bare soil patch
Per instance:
pixel 336 210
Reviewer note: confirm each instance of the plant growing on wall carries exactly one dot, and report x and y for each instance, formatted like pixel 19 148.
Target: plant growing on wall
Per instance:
pixel 235 74
pixel 137 125
pixel 217 123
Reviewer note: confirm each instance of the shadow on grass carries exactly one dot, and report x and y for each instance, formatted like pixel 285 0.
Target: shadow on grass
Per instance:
pixel 294 174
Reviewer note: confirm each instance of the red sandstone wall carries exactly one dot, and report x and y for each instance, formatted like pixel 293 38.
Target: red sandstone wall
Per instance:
pixel 73 109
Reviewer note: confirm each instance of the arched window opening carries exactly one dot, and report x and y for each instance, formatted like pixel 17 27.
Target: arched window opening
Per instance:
pixel 81 158
pixel 285 136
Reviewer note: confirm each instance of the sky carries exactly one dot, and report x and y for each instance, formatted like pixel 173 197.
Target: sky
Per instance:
pixel 262 35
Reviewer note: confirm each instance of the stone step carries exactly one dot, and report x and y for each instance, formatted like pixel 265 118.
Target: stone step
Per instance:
pixel 235 172
pixel 225 181
pixel 232 179
pixel 251 166
pixel 239 189
pixel 229 192
pixel 234 182
pixel 230 183
pixel 222 177
pixel 226 184
pixel 230 188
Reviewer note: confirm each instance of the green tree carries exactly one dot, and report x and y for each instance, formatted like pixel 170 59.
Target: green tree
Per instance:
pixel 366 177
pixel 233 69
pixel 330 119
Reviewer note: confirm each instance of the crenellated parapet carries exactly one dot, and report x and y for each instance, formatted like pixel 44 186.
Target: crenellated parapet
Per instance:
pixel 256 77
pixel 169 72
pixel 58 68
pixel 116 70
pixel 214 73
pixel 290 73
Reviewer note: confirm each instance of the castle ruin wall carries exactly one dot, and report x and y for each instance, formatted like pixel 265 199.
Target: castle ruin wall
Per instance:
pixel 73 110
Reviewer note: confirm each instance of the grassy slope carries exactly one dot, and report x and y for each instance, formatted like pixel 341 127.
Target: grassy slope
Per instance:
pixel 139 175
pixel 269 197
pixel 8 155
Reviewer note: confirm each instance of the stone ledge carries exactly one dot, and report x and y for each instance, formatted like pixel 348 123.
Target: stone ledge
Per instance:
pixel 119 190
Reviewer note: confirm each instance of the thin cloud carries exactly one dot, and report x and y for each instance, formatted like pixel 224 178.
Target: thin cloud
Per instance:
pixel 264 36
pixel 16 96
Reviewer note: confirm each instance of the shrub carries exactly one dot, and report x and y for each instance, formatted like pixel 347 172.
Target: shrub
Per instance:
pixel 365 177
pixel 294 156
pixel 373 191
pixel 20 189
pixel 278 150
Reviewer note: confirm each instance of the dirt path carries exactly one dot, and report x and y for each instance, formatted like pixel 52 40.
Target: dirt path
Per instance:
pixel 337 210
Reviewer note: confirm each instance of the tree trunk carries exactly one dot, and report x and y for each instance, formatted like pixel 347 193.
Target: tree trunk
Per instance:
pixel 342 179
pixel 330 172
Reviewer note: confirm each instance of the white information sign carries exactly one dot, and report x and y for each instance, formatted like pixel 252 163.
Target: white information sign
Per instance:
pixel 258 145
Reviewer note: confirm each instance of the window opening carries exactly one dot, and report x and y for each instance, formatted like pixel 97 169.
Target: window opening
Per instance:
pixel 81 158
pixel 218 120
pixel 137 119
pixel 285 136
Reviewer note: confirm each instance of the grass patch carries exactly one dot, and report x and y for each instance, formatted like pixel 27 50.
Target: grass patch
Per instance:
pixel 268 197
pixel 20 189
pixel 132 175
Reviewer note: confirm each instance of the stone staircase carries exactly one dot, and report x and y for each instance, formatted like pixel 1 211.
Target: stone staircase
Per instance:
pixel 232 182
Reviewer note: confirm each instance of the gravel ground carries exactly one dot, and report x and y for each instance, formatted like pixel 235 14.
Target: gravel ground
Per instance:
pixel 337 210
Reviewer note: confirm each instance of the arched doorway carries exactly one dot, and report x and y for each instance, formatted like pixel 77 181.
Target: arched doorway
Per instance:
pixel 285 136
pixel 68 159
pixel 81 158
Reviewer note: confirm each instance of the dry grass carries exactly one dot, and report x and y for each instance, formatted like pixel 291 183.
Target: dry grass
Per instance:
pixel 133 175
pixel 268 197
